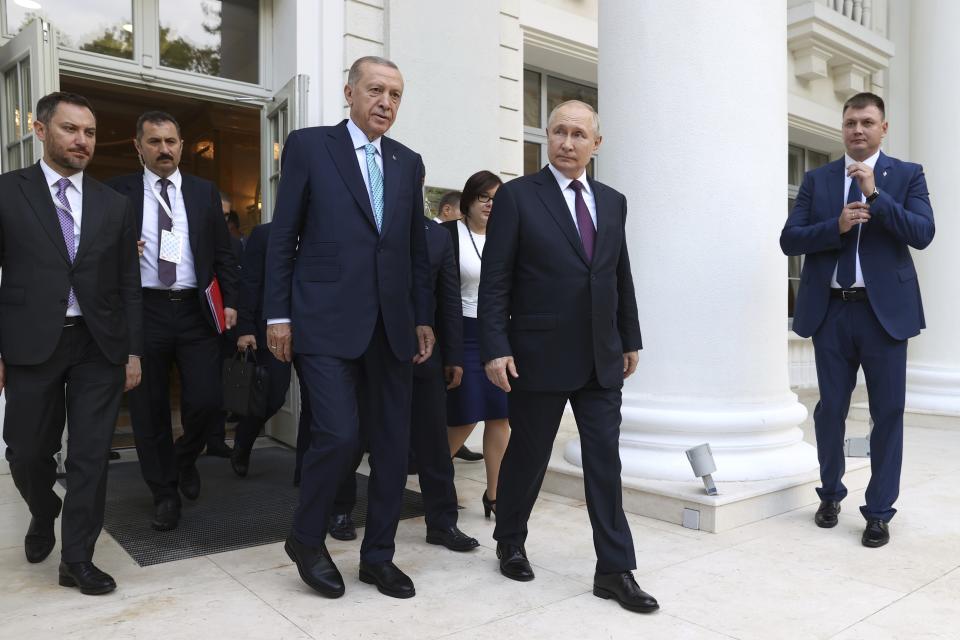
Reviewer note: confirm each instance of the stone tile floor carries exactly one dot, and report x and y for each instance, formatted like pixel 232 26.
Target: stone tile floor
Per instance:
pixel 777 578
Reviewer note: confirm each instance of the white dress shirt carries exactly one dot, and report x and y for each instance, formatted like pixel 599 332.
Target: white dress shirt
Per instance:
pixel 847 181
pixel 469 268
pixel 149 274
pixel 74 195
pixel 571 196
pixel 360 141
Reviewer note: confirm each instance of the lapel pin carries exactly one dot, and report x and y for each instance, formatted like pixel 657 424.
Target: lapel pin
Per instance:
pixel 395 157
pixel 884 174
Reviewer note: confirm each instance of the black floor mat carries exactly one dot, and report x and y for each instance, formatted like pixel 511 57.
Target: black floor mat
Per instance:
pixel 231 513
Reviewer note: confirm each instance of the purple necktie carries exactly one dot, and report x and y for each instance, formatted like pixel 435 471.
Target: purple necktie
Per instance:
pixel 847 263
pixel 66 226
pixel 166 270
pixel 584 222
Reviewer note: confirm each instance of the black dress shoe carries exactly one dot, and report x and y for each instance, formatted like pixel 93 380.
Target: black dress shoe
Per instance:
pixel 39 541
pixel 514 563
pixel 876 534
pixel 826 516
pixel 465 454
pixel 625 590
pixel 452 538
pixel 166 515
pixel 240 461
pixel 92 581
pixel 389 579
pixel 316 567
pixel 341 527
pixel 189 482
pixel 219 449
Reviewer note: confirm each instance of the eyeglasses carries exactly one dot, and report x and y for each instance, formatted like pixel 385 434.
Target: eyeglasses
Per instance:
pixel 484 198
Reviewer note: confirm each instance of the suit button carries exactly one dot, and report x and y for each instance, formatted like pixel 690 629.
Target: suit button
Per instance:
pixel 593 277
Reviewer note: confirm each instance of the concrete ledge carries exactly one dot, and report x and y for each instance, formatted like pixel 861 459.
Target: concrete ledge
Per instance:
pixel 739 503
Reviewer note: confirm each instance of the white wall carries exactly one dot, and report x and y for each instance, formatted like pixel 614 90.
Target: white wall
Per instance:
pixel 448 53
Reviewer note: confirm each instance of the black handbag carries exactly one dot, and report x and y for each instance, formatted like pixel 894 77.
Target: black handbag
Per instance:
pixel 245 385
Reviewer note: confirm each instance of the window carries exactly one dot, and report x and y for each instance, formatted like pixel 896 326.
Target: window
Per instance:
pixel 18 115
pixel 799 161
pixel 97 26
pixel 543 91
pixel 213 37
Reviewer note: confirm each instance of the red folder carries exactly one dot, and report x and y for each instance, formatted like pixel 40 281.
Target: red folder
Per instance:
pixel 215 300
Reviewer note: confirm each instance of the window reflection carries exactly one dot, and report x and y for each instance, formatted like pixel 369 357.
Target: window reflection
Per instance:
pixel 98 26
pixel 213 37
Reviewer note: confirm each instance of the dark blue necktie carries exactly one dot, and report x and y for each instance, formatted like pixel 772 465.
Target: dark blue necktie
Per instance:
pixel 847 264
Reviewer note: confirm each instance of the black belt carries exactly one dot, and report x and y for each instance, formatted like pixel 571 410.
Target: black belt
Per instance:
pixel 173 295
pixel 73 321
pixel 858 294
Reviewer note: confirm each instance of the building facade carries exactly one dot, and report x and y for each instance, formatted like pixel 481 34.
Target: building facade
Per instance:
pixel 706 108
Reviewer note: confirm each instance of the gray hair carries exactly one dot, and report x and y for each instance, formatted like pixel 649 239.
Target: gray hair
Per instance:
pixel 357 67
pixel 567 103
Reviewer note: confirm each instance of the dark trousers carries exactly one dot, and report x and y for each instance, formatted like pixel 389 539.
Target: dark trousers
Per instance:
pixel 534 420
pixel 217 430
pixel 851 336
pixel 174 333
pixel 77 385
pixel 332 385
pixel 430 452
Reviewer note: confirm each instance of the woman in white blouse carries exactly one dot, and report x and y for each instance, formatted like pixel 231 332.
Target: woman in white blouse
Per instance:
pixel 476 399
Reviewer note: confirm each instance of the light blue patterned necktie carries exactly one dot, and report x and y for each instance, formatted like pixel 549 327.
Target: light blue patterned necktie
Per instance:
pixel 376 184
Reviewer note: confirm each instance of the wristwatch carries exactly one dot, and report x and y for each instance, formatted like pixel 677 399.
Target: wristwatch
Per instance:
pixel 873 196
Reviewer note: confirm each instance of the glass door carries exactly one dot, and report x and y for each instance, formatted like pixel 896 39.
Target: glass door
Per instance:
pixel 284 113
pixel 28 64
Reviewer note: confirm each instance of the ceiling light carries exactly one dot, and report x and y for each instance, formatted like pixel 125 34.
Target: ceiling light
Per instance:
pixel 28 4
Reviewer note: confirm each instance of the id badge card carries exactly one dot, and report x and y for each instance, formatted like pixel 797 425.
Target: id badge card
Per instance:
pixel 171 247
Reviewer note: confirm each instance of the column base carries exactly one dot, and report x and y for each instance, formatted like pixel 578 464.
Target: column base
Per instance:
pixel 932 401
pixel 685 503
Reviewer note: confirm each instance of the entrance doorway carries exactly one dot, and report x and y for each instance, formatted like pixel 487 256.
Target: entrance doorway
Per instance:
pixel 221 144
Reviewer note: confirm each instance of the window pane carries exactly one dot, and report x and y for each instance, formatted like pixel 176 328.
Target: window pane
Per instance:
pixel 561 90
pixel 531 98
pixel 794 165
pixel 794 265
pixel 26 97
pixel 213 37
pixel 11 105
pixel 531 158
pixel 816 159
pixel 100 26
pixel 592 167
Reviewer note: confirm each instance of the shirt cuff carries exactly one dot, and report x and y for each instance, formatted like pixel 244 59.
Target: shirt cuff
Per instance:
pixel 278 321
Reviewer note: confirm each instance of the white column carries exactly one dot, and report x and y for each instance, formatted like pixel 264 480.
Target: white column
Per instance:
pixel 933 364
pixel 693 105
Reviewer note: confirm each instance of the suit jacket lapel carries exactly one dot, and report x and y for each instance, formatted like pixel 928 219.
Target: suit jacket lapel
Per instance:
pixel 91 217
pixel 604 217
pixel 391 182
pixel 549 192
pixel 135 194
pixel 195 212
pixel 38 196
pixel 345 158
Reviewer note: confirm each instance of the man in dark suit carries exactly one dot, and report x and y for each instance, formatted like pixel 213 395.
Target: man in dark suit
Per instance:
pixel 252 329
pixel 70 332
pixel 347 291
pixel 185 245
pixel 558 315
pixel 860 300
pixel 428 423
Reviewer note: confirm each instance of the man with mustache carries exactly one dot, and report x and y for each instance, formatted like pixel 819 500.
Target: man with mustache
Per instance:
pixel 70 333
pixel 184 246
pixel 860 301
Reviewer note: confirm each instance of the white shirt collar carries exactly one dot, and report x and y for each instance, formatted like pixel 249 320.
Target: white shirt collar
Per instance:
pixel 53 177
pixel 564 181
pixel 151 179
pixel 360 139
pixel 870 162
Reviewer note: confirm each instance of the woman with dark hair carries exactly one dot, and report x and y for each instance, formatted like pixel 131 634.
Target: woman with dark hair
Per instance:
pixel 476 398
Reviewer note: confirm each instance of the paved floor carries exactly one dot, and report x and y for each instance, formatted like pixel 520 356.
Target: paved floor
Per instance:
pixel 778 578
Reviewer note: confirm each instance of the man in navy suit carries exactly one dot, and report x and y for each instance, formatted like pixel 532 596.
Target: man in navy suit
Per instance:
pixel 860 300
pixel 184 245
pixel 347 291
pixel 558 315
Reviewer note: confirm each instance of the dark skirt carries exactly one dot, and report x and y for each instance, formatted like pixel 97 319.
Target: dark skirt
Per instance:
pixel 476 398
